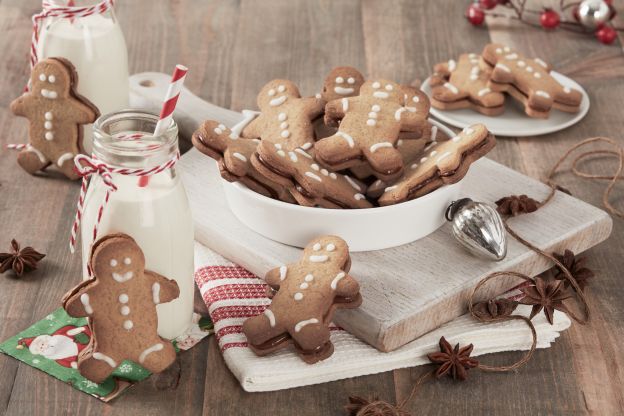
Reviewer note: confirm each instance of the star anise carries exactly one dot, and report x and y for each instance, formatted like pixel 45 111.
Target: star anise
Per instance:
pixel 516 204
pixel 494 308
pixel 545 295
pixel 576 267
pixel 453 361
pixel 20 260
pixel 360 406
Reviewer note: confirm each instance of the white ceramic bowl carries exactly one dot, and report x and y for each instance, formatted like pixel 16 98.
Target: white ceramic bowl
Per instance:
pixel 363 229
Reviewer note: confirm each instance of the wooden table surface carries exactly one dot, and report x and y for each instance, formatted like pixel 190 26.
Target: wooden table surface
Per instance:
pixel 232 49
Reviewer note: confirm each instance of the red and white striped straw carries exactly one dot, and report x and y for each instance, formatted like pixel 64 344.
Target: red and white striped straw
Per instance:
pixel 169 105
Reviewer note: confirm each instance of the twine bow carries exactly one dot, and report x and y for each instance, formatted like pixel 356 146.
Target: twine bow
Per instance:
pixel 86 167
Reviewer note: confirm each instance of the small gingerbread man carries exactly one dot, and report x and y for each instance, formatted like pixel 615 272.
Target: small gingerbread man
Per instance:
pixel 308 292
pixel 285 118
pixel 370 126
pixel 56 114
pixel 120 302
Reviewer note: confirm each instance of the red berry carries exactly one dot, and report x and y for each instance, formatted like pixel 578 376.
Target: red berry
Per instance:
pixel 488 4
pixel 475 15
pixel 606 35
pixel 549 19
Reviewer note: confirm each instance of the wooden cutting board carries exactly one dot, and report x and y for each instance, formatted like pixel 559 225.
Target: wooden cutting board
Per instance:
pixel 408 290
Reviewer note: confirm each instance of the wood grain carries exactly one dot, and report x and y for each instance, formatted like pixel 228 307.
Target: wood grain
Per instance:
pixel 232 48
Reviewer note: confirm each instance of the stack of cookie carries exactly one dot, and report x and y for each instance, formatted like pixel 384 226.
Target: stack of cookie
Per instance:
pixel 357 144
pixel 480 81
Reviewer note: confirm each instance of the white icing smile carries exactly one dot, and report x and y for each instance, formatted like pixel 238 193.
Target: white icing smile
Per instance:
pixel 380 94
pixel 49 94
pixel 123 277
pixel 278 101
pixel 343 91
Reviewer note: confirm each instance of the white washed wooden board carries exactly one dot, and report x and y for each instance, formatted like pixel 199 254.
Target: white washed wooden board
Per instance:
pixel 408 290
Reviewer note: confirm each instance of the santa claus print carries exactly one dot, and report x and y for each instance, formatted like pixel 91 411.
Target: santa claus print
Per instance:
pixel 63 346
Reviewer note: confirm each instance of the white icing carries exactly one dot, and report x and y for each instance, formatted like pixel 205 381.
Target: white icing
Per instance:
pixel 308 278
pixel 123 298
pixel 468 130
pixel 63 158
pixel 293 156
pixel 42 77
pixel 353 183
pixel 372 114
pixel 315 166
pixel 318 259
pixel 47 125
pixel 281 153
pixel 376 108
pixel 472 55
pixel 156 293
pixel 333 175
pixel 348 138
pixel 451 87
pixel 285 134
pixel 148 351
pixel 345 104
pixel 371 122
pixel 507 49
pixel 128 324
pixel 414 166
pixel 303 285
pixel 120 278
pixel 113 263
pixel 521 63
pixel 284 125
pixel 398 112
pixel 416 99
pixel 301 324
pixel 542 94
pixel 270 316
pixel 390 188
pixel 452 65
pixel 567 90
pixel 49 135
pixel 433 143
pixel 218 130
pixel 40 155
pixel 399 142
pixel 456 139
pixel 84 299
pixel 316 247
pixel 303 152
pixel 499 50
pixel 381 94
pixel 511 56
pixel 283 270
pixel 275 102
pixel 239 156
pixel 343 90
pixel 483 92
pixel 422 160
pixel 101 357
pixel 281 88
pixel 125 310
pixel 537 75
pixel 338 278
pixel 298 296
pixel 339 80
pixel 376 85
pixel 503 67
pixel 389 87
pixel 351 80
pixel 313 176
pixel 282 116
pixel 434 133
pixel 443 156
pixel 433 153
pixel 127 261
pixel 378 146
pixel 271 92
pixel 358 197
pixel 540 62
pixel 529 69
pixel 324 172
pixel 49 94
pixel 330 247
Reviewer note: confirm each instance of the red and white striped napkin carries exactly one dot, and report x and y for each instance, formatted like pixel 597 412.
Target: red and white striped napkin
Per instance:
pixel 233 294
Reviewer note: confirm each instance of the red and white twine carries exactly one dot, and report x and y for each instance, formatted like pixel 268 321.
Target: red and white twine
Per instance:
pixel 86 167
pixel 53 9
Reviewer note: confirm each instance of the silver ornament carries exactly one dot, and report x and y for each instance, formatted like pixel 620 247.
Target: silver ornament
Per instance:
pixel 592 13
pixel 479 228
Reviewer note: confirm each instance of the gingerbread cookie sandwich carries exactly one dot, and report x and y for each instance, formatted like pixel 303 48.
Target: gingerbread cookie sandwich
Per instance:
pixel 120 303
pixel 56 113
pixel 443 163
pixel 285 118
pixel 309 183
pixel 464 84
pixel 369 128
pixel 307 294
pixel 529 81
pixel 233 155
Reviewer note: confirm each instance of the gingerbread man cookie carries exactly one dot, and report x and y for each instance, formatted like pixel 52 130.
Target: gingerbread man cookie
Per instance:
pixel 529 81
pixel 308 293
pixel 309 183
pixel 285 118
pixel 369 128
pixel 56 114
pixel 443 163
pixel 464 84
pixel 233 155
pixel 120 302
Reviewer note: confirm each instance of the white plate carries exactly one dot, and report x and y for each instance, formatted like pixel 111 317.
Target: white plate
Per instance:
pixel 514 122
pixel 363 229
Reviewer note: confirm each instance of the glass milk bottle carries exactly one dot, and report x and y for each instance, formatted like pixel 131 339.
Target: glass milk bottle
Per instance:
pixel 95 45
pixel 155 212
